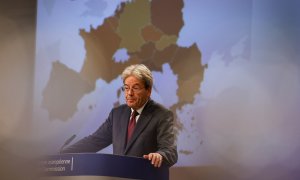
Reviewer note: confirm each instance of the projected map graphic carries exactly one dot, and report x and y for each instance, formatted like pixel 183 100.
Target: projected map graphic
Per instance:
pixel 83 46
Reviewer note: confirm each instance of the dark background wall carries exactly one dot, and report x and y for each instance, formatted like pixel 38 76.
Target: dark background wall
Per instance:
pixel 17 47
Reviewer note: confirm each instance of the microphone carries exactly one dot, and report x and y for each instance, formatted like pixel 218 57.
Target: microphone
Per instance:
pixel 67 142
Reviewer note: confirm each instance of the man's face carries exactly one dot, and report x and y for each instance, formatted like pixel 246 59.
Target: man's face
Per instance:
pixel 135 93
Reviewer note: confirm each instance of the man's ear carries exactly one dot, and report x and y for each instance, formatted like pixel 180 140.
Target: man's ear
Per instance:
pixel 149 91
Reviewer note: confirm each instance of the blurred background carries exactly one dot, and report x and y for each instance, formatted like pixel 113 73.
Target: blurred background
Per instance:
pixel 228 70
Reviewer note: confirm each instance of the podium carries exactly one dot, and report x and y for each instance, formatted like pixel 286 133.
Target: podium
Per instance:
pixel 94 166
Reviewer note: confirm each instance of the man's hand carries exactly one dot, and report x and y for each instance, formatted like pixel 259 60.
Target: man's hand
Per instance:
pixel 155 158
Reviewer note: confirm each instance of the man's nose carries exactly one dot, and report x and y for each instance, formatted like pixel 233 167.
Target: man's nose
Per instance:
pixel 130 91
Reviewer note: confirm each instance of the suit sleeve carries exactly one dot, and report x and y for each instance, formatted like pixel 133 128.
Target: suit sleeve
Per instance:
pixel 100 139
pixel 166 139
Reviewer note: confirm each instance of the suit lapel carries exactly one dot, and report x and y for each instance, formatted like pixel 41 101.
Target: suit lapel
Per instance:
pixel 124 123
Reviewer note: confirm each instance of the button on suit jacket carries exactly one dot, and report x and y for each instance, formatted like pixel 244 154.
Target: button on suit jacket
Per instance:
pixel 154 132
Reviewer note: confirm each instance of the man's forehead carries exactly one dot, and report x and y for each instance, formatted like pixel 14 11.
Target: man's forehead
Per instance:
pixel 133 84
pixel 132 80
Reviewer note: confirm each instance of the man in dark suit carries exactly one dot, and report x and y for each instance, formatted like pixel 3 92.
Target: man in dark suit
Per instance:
pixel 141 127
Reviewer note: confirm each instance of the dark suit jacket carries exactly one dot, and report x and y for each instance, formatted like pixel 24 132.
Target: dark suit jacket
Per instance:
pixel 154 132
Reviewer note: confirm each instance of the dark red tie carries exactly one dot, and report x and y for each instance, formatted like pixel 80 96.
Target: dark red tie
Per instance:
pixel 131 124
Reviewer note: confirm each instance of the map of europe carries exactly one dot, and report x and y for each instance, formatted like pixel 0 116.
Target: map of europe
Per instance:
pixel 147 32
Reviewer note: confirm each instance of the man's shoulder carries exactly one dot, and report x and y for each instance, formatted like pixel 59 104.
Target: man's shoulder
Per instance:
pixel 121 107
pixel 157 106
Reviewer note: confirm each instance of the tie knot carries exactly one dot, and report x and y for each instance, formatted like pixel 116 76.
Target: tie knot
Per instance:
pixel 135 113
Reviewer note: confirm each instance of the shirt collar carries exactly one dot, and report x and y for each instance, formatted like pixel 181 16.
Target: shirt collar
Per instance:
pixel 140 109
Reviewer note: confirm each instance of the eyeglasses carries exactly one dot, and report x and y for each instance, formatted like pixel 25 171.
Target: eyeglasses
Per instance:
pixel 135 88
